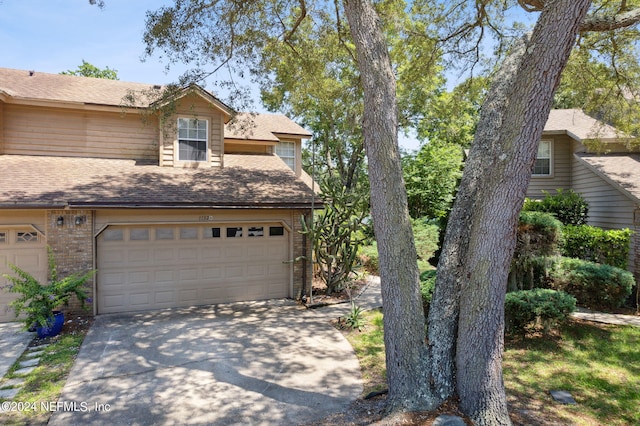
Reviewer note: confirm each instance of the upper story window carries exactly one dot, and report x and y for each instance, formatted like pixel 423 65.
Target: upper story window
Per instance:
pixel 192 139
pixel 542 166
pixel 287 151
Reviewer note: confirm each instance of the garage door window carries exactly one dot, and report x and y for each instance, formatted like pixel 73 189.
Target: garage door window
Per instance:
pixel 140 234
pixel 113 235
pixel 212 232
pixel 276 231
pixel 164 234
pixel 188 233
pixel 3 237
pixel 256 231
pixel 27 237
pixel 235 232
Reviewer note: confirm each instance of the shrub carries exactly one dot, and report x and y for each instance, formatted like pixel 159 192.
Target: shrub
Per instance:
pixel 37 300
pixel 426 237
pixel 369 258
pixel 597 245
pixel 539 234
pixel 427 285
pixel 569 207
pixel 525 309
pixel 594 285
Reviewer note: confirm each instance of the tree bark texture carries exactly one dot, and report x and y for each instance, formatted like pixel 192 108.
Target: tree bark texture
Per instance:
pixel 480 244
pixel 403 314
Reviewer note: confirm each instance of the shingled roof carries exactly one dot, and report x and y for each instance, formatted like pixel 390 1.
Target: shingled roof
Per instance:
pixel 622 170
pixel 246 181
pixel 579 126
pixel 39 86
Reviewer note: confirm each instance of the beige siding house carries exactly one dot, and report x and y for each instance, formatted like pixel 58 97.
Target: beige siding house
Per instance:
pixel 581 153
pixel 175 202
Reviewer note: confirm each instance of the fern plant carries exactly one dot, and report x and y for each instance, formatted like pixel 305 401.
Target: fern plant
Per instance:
pixel 36 300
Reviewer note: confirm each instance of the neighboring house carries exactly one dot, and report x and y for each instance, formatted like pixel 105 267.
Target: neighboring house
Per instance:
pixel 581 153
pixel 175 208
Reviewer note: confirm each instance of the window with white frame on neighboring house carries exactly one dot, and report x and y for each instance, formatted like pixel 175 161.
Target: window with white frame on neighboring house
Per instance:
pixel 192 139
pixel 542 166
pixel 287 151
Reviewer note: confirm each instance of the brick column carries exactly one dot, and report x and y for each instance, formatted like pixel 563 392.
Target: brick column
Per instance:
pixel 72 245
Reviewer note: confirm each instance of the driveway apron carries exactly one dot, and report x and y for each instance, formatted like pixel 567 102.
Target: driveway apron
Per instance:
pixel 268 363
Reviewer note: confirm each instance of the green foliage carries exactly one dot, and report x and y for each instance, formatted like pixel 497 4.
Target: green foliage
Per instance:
pixel 426 237
pixel 431 177
pixel 89 70
pixel 594 285
pixel 427 285
pixel 568 206
pixel 354 319
pixel 37 301
pixel 525 309
pixel 451 117
pixel 597 245
pixel 335 234
pixel 539 234
pixel 368 256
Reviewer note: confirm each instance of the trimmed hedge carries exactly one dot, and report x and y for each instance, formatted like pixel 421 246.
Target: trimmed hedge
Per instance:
pixel 597 245
pixel 525 309
pixel 568 206
pixel 539 234
pixel 594 285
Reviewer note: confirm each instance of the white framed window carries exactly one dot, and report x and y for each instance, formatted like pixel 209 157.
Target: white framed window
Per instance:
pixel 192 139
pixel 3 237
pixel 543 164
pixel 287 151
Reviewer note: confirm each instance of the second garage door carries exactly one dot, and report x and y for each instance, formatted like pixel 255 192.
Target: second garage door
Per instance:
pixel 149 267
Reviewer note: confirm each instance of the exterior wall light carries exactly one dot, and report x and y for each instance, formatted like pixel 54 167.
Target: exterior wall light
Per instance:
pixel 60 220
pixel 80 220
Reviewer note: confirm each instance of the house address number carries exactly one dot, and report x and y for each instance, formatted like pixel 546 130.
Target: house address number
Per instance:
pixel 206 218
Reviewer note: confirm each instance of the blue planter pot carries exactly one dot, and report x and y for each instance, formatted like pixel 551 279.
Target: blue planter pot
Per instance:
pixel 55 326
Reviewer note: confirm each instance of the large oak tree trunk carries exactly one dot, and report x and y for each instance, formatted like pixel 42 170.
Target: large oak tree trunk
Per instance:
pixel 403 315
pixel 480 244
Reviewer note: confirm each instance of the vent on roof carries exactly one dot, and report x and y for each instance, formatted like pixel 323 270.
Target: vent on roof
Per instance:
pixel 157 87
pixel 31 73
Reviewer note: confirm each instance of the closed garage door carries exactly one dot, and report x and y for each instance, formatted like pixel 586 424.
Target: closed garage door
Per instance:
pixel 150 267
pixel 26 249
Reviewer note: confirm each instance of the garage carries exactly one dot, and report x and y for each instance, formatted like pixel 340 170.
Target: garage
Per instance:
pixel 24 247
pixel 142 267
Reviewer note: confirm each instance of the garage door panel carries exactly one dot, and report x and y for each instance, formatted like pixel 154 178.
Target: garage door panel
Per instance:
pixel 192 268
pixel 138 256
pixel 233 272
pixel 26 249
pixel 161 255
pixel 212 274
pixel 140 300
pixel 165 276
pixel 164 297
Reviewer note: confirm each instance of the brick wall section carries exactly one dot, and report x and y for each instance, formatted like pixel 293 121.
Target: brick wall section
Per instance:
pixel 72 247
pixel 298 267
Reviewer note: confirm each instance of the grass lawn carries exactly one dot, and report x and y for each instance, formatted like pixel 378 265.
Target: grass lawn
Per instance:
pixel 598 364
pixel 44 385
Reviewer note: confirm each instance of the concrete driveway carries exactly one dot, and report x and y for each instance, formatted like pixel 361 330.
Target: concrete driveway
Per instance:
pixel 269 363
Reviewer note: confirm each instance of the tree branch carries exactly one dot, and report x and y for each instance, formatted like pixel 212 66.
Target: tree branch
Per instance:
pixel 610 22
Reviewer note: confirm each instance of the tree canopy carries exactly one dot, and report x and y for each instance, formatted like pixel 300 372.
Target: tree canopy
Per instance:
pixel 88 70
